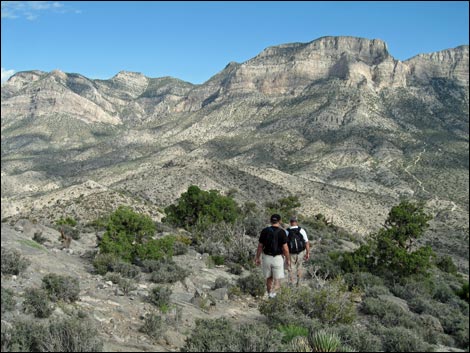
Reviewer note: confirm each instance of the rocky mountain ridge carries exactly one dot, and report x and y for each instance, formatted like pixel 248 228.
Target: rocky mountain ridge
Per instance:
pixel 338 121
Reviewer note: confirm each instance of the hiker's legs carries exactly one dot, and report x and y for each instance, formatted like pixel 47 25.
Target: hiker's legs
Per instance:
pixel 269 284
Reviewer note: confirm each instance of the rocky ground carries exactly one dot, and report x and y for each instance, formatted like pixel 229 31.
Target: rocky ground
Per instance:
pixel 120 316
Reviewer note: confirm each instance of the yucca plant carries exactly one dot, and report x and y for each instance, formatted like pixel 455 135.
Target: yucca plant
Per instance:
pixel 323 341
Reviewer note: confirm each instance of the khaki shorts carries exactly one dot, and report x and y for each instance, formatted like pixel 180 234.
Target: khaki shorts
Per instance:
pixel 297 261
pixel 273 266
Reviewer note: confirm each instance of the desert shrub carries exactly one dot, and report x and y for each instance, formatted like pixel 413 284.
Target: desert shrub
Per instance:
pixel 252 219
pixel 202 208
pixel 400 339
pixel 36 301
pixel 463 292
pixel 359 338
pixel 446 264
pixel 69 230
pixel 362 280
pixel 129 235
pixel 285 207
pixel 257 338
pixel 66 221
pixel 125 284
pixel 443 293
pixel 220 335
pixel 376 291
pixel 253 284
pixel 160 296
pixel 180 248
pixel 73 334
pixel 221 282
pixel 234 291
pixel 289 332
pixel 235 268
pixel 390 314
pixel 165 271
pixel 13 263
pixel 22 335
pixel 332 304
pixel 104 263
pixel 153 326
pixel 326 264
pixel 38 238
pixel 60 287
pixel 211 336
pixel 8 300
pixel 126 270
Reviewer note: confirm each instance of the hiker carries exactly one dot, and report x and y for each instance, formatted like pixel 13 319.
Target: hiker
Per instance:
pixel 273 244
pixel 299 249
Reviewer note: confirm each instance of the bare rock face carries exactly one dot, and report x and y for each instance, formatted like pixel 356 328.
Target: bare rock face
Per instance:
pixel 448 64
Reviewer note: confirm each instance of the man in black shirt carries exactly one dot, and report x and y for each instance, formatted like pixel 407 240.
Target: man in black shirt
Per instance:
pixel 273 244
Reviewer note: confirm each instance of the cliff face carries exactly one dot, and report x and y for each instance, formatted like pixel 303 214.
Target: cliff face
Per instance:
pixel 448 64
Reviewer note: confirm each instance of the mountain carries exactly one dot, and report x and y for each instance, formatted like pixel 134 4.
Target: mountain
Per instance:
pixel 337 121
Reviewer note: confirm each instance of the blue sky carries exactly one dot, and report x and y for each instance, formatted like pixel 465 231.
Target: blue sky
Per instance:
pixel 194 40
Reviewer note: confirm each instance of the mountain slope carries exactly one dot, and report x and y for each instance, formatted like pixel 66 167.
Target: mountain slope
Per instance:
pixel 338 121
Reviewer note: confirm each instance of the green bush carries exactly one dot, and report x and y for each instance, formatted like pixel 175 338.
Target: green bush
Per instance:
pixel 202 208
pixel 165 271
pixel 36 301
pixel 390 253
pixel 156 249
pixel 220 335
pixel 12 262
pixel 160 296
pixel 8 300
pixel 253 284
pixel 129 235
pixel 289 332
pixel 60 287
pixel 153 326
pixel 218 260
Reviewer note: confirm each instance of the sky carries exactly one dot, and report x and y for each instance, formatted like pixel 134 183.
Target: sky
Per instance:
pixel 193 41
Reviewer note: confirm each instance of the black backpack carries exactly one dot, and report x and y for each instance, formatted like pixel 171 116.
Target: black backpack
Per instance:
pixel 295 241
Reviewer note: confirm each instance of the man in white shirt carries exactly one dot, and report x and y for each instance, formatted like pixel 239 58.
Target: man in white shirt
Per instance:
pixel 299 248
